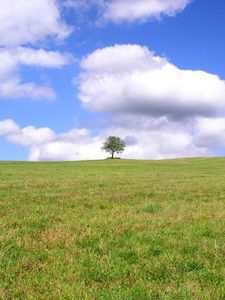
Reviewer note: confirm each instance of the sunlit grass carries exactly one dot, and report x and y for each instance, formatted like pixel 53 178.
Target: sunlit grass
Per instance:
pixel 113 230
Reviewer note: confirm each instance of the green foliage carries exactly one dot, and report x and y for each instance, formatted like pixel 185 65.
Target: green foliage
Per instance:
pixel 114 144
pixel 113 230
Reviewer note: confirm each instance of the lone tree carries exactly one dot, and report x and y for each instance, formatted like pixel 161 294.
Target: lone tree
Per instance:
pixel 114 144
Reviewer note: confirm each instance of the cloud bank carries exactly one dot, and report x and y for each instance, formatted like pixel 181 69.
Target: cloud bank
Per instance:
pixel 154 138
pixel 131 79
pixel 45 145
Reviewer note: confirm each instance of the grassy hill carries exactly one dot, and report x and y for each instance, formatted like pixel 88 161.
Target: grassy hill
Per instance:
pixel 113 230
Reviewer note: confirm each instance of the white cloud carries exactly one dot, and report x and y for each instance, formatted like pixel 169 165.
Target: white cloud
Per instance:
pixel 61 151
pixel 44 144
pixel 27 136
pixel 210 132
pixel 142 10
pixel 41 57
pixel 8 127
pixel 13 88
pixel 154 139
pixel 131 79
pixel 30 136
pixel 11 59
pixel 30 21
pixel 75 135
pixel 25 23
pixel 76 144
pixel 129 10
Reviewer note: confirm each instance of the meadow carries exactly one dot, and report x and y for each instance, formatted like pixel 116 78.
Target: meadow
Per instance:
pixel 113 230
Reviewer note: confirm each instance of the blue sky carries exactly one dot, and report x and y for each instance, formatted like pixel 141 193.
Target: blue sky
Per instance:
pixel 152 74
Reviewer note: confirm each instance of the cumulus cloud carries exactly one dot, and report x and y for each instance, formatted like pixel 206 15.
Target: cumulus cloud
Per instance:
pixel 156 137
pixel 8 127
pixel 14 88
pixel 27 136
pixel 210 132
pixel 28 22
pixel 40 57
pixel 76 144
pixel 45 145
pixel 25 24
pixel 142 10
pixel 129 10
pixel 30 136
pixel 11 59
pixel 153 139
pixel 131 79
pixel 69 151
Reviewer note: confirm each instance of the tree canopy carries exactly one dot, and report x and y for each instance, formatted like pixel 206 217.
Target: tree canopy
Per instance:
pixel 114 144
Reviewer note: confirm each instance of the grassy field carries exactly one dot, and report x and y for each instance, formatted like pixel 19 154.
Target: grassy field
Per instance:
pixel 113 230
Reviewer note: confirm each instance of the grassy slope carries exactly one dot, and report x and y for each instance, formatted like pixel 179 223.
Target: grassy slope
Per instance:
pixel 112 230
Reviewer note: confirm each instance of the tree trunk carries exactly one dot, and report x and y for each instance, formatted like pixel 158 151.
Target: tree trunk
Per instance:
pixel 112 154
